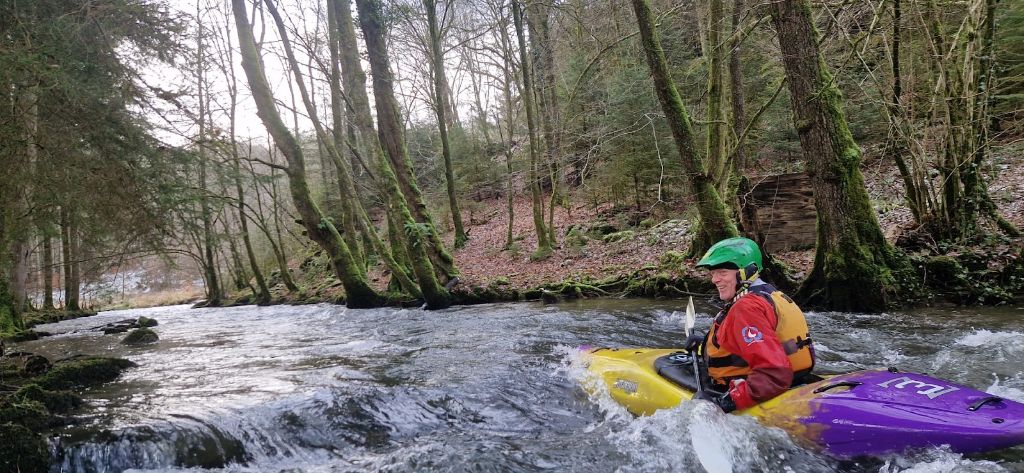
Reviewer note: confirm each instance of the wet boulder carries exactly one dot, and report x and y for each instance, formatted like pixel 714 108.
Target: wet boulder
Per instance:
pixel 146 322
pixel 83 372
pixel 549 297
pixel 23 364
pixel 119 326
pixel 140 336
pixel 54 401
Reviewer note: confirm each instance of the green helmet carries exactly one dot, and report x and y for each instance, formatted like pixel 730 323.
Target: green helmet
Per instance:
pixel 733 253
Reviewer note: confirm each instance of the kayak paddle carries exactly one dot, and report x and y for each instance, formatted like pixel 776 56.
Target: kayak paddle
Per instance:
pixel 691 317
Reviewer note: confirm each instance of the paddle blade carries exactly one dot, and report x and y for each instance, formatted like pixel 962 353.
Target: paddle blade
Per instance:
pixel 690 316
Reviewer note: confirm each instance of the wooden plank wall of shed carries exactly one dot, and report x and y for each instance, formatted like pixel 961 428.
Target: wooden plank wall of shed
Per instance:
pixel 781 211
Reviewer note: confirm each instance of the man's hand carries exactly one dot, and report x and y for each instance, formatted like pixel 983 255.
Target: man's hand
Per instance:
pixel 694 341
pixel 723 401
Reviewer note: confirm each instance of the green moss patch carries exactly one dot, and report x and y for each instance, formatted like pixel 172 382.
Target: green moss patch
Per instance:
pixel 21 450
pixel 140 336
pixel 54 401
pixel 83 373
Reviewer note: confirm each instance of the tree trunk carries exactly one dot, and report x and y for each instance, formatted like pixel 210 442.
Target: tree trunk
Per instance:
pixel 855 269
pixel 356 214
pixel 441 109
pixel 897 146
pixel 355 85
pixel 391 132
pixel 745 212
pixel 418 234
pixel 70 281
pixel 739 115
pixel 21 250
pixel 357 291
pixel 978 202
pixel 717 157
pixel 276 240
pixel 715 222
pixel 213 291
pixel 47 271
pixel 538 16
pixel 263 293
pixel 508 70
pixel 543 243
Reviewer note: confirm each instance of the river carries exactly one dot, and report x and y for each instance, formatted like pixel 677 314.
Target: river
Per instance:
pixel 321 388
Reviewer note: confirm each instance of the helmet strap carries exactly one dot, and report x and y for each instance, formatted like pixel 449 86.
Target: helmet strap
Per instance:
pixel 747 274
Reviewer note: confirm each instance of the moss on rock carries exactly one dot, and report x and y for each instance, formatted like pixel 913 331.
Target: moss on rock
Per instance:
pixel 616 237
pixel 83 372
pixel 146 322
pixel 31 414
pixel 21 450
pixel 140 336
pixel 54 401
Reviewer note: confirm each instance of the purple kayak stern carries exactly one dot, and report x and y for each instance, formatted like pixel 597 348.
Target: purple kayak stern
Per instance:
pixel 879 412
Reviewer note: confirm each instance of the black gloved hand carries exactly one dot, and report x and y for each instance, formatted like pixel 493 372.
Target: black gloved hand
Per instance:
pixel 724 401
pixel 694 341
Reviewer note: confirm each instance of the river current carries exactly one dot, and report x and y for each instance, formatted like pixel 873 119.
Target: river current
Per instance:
pixel 320 388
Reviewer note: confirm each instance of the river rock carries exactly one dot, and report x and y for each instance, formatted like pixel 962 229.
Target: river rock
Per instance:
pixel 119 326
pixel 140 336
pixel 83 372
pixel 144 322
pixel 549 297
pixel 27 363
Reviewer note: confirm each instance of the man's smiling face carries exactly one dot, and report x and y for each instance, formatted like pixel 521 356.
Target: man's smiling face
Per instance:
pixel 725 280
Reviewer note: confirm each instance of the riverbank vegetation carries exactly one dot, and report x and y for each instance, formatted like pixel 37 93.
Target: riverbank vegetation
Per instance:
pixel 431 153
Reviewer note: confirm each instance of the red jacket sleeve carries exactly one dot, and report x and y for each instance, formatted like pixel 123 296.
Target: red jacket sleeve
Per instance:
pixel 749 332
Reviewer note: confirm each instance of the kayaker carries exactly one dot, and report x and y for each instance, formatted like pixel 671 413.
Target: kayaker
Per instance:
pixel 759 343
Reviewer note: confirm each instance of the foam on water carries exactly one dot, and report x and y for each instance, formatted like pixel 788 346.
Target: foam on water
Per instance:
pixel 938 461
pixel 1009 341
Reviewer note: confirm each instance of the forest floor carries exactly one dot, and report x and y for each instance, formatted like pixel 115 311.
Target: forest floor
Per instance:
pixel 608 240
pixel 485 258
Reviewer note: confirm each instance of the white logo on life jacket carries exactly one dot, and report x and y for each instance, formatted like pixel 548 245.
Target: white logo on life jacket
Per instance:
pixel 933 391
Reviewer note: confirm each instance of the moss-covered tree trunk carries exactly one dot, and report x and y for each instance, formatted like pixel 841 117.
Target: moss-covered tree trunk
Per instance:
pixel 356 217
pixel 716 131
pixel 441 107
pixel 715 222
pixel 543 242
pixel 346 181
pixel 399 259
pixel 349 200
pixel 391 133
pixel 419 234
pixel 358 292
pixel 855 269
